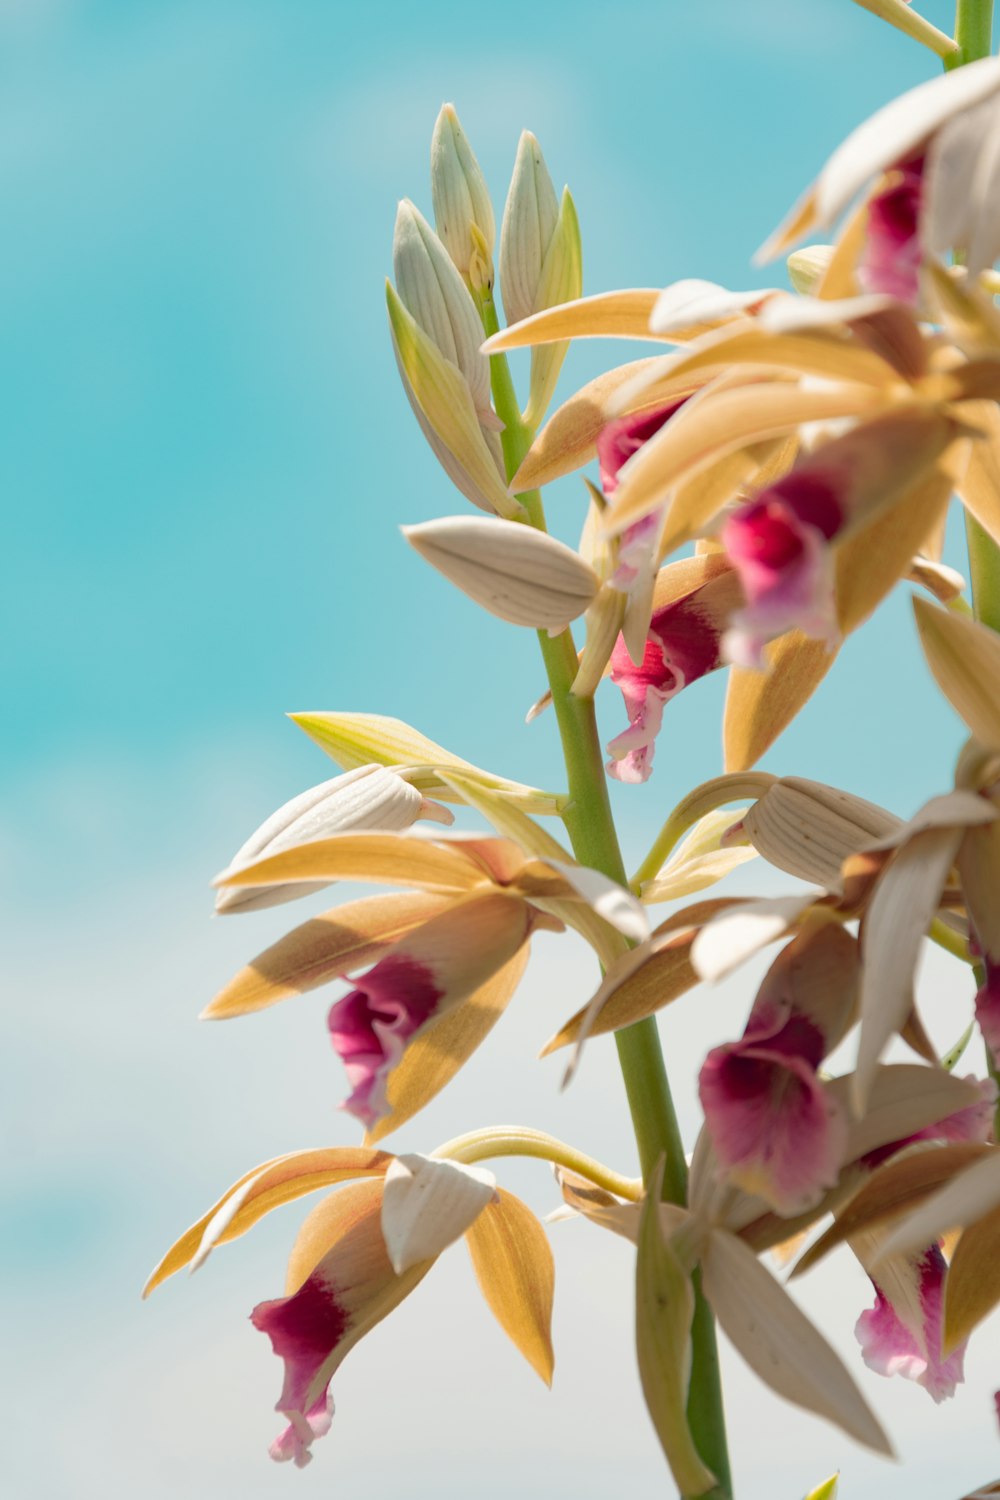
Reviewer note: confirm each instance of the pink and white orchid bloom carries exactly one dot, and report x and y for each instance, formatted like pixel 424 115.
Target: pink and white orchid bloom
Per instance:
pixel 692 604
pixel 776 1129
pixel 428 973
pixel 939 192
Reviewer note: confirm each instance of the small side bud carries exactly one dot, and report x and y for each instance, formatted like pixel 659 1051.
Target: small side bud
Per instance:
pixel 442 404
pixel 808 266
pixel 463 213
pixel 521 575
pixel 435 295
pixel 529 221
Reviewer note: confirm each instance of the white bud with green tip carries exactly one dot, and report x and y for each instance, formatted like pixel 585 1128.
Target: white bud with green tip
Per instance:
pixel 808 266
pixel 463 213
pixel 437 298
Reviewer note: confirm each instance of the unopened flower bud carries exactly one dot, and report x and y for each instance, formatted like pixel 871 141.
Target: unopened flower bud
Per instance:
pixel 442 403
pixel 529 222
pixel 541 262
pixel 435 295
pixel 463 213
pixel 808 266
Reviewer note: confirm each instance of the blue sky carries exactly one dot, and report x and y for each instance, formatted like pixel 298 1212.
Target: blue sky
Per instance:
pixel 206 460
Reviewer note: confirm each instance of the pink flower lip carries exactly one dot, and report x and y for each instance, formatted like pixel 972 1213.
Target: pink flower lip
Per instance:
pixel 303 1329
pixel 682 645
pixel 371 1027
pixel 620 439
pixel 778 545
pixel 890 1346
pixel 775 1130
pixel 892 256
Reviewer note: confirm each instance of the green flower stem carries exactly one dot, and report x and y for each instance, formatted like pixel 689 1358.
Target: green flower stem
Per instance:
pixel 973 32
pixel 517 1140
pixel 591 829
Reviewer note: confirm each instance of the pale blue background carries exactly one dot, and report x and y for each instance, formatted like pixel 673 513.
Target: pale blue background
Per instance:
pixel 205 458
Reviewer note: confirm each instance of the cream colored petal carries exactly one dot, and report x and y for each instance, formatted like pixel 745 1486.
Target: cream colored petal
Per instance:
pixel 780 1344
pixel 700 860
pixel 664 1309
pixel 427 1204
pixel 808 829
pixel 522 575
pixel 729 939
pixel 904 1098
pixel 893 928
pixel 806 350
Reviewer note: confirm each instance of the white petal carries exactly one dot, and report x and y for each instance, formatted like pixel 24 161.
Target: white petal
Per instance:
pixel 731 938
pixel 427 1204
pixel 693 301
pixel 790 314
pixel 369 797
pixel 609 899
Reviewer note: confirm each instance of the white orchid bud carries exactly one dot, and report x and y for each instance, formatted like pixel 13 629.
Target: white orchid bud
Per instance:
pixel 463 213
pixel 435 295
pixel 370 797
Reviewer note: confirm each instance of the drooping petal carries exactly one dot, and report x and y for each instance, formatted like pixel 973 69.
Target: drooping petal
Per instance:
pixel 988 1009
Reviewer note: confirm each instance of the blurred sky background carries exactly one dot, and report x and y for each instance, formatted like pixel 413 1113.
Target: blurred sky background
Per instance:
pixel 206 457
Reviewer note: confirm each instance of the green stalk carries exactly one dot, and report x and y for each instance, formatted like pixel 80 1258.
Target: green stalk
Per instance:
pixel 973 32
pixel 592 833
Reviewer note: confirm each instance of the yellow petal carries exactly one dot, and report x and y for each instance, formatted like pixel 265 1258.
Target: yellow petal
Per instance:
pixel 383 858
pixel 972 1289
pixel 514 1267
pixel 816 352
pixel 760 705
pixel 892 1189
pixel 339 941
pixel 269 1186
pixel 964 657
pixel 619 315
pixel 979 487
pixel 700 860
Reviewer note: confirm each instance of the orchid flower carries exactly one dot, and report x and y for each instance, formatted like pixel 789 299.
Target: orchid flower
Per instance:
pixel 447 957
pixel 362 1250
pixel 692 602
